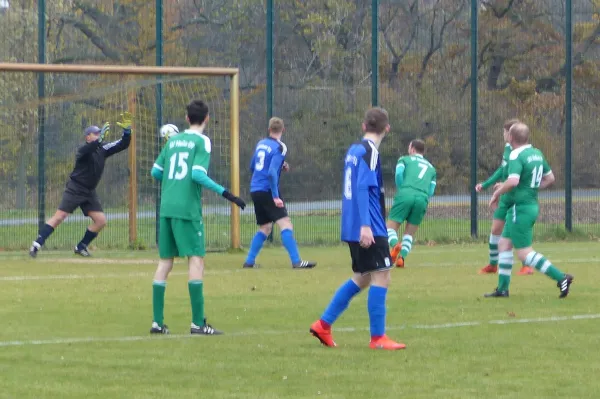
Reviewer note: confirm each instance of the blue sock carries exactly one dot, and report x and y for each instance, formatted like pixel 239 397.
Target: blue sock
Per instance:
pixel 340 301
pixel 88 237
pixel 44 233
pixel 255 247
pixel 287 238
pixel 376 307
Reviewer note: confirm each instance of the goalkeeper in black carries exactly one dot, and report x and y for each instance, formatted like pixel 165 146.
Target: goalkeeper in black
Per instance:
pixel 80 191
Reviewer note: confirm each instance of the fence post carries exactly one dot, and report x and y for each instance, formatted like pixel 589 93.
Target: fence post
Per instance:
pixel 270 70
pixel 41 113
pixel 474 115
pixel 159 102
pixel 374 52
pixel 568 115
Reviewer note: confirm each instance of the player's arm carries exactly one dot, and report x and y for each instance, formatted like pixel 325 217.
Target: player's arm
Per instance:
pixel 86 149
pixel 548 177
pixel 515 168
pixel 115 147
pixel 274 169
pixel 200 175
pixel 493 179
pixel 365 179
pixel 432 185
pixel 400 167
pixel 158 167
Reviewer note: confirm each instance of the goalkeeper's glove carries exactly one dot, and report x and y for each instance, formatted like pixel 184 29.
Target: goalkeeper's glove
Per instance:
pixel 125 122
pixel 232 198
pixel 104 131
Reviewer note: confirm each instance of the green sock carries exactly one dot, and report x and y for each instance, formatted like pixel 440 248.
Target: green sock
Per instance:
pixel 196 289
pixel 406 245
pixel 505 270
pixel 537 260
pixel 494 249
pixel 158 301
pixel 392 237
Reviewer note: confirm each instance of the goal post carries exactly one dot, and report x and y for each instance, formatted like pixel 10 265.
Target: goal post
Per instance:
pixel 102 94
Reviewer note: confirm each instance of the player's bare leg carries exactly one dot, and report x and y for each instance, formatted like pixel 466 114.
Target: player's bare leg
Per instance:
pixel 376 305
pixel 289 242
pixel 256 245
pixel 159 286
pixel 395 246
pixel 536 260
pixel 46 230
pixel 98 223
pixel 196 290
pixel 406 245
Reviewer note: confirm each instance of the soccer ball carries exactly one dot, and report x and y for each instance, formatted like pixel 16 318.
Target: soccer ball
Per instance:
pixel 168 130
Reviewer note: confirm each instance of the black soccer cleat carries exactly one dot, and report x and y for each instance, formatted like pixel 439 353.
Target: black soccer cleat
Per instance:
pixel 35 247
pixel 156 329
pixel 250 265
pixel 304 264
pixel 82 251
pixel 205 329
pixel 497 294
pixel 564 285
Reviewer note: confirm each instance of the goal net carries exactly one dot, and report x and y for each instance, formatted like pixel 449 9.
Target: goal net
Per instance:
pixel 42 119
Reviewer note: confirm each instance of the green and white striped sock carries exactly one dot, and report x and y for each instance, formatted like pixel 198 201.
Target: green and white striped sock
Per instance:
pixel 406 245
pixel 494 249
pixel 540 263
pixel 392 237
pixel 505 270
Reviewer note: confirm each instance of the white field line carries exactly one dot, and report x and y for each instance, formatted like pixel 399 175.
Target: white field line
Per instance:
pixel 77 340
pixel 149 273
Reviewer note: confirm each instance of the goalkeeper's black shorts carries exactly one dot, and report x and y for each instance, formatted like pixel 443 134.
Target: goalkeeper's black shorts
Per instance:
pixel 265 209
pixel 76 196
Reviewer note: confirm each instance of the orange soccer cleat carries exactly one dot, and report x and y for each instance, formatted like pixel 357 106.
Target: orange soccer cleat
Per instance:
pixel 400 261
pixel 525 270
pixel 385 343
pixel 489 269
pixel 322 333
pixel 395 252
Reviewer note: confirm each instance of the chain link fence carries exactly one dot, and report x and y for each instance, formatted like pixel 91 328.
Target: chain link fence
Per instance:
pixel 326 72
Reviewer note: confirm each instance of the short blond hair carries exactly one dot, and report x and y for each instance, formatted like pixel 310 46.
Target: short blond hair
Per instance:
pixel 276 125
pixel 520 133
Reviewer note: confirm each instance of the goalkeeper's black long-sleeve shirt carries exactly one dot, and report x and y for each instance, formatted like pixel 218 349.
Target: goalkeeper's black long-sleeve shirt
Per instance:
pixel 89 161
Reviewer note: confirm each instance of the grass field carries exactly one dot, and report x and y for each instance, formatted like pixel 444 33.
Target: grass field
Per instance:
pixel 78 328
pixel 311 229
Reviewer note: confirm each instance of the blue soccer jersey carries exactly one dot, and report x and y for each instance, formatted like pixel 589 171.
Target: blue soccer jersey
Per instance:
pixel 363 201
pixel 266 165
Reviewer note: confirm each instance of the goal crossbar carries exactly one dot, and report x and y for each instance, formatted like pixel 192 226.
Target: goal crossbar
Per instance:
pixel 232 73
pixel 117 69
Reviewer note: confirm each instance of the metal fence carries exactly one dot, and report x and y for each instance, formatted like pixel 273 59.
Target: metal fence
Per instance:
pixel 449 72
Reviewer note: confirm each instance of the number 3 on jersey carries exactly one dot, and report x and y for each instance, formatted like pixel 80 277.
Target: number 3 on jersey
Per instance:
pixel 179 172
pixel 260 161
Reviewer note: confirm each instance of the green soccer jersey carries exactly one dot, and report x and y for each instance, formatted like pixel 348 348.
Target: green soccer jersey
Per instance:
pixel 416 173
pixel 528 164
pixel 181 196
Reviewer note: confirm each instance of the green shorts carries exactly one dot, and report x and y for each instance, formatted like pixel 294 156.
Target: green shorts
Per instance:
pixel 410 208
pixel 180 238
pixel 519 224
pixel 502 210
